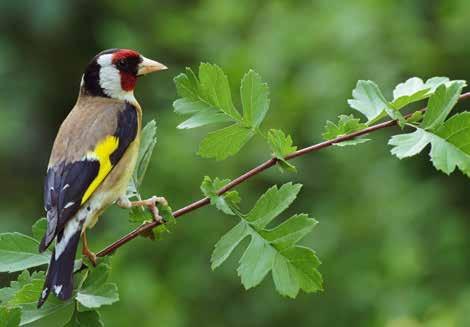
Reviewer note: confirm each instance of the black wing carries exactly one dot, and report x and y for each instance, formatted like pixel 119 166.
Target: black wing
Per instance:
pixel 66 184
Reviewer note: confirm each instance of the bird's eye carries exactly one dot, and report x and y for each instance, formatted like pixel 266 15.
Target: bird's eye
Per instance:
pixel 122 64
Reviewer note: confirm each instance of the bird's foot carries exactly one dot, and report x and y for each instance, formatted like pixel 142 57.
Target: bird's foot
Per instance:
pixel 90 255
pixel 150 203
pixel 86 250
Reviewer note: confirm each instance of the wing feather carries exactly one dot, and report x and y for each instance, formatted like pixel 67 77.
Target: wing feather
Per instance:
pixel 69 185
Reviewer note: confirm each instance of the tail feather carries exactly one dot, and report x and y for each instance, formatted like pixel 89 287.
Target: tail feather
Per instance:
pixel 59 278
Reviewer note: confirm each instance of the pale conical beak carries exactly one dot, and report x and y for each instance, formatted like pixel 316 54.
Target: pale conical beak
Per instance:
pixel 148 66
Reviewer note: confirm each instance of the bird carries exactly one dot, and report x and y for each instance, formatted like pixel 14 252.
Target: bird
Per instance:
pixel 92 161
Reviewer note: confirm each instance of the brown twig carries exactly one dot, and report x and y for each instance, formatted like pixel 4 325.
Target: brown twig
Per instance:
pixel 255 171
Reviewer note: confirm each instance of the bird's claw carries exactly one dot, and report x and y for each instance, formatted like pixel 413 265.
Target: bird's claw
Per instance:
pixel 90 255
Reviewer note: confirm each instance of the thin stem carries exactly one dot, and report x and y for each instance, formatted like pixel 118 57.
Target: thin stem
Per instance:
pixel 253 172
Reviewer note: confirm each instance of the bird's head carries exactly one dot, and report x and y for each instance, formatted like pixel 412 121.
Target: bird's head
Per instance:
pixel 113 73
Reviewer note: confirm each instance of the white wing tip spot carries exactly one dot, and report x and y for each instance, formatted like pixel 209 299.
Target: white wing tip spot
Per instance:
pixel 69 204
pixel 57 289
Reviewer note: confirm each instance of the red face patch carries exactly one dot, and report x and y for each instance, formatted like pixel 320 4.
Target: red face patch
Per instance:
pixel 128 81
pixel 124 54
pixel 126 61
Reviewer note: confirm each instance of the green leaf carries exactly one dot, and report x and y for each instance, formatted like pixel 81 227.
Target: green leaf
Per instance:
pixel 186 106
pixel 10 316
pixel 225 142
pixel 216 89
pixel 256 262
pixel 147 144
pixel 272 203
pixel 139 215
pixel 290 231
pixel 96 291
pixel 207 98
pixel 368 100
pixel 39 229
pixel 228 242
pixel 414 89
pixel 85 319
pixel 415 117
pixel 410 144
pixel 346 125
pixel 57 314
pixel 19 252
pixel 225 202
pixel 25 292
pixel 451 145
pixel 441 103
pixel 204 117
pixel 293 267
pixel 255 98
pixel 281 145
pixel 7 293
pixel 187 85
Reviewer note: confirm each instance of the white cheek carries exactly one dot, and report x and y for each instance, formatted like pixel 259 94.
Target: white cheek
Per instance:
pixel 110 80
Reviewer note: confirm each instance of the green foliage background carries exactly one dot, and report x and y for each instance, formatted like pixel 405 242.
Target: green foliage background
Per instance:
pixel 393 236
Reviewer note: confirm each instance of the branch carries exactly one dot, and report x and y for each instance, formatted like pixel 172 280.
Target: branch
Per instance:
pixel 253 172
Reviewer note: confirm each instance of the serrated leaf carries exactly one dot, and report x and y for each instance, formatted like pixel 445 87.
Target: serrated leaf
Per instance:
pixel 293 267
pixel 281 145
pixel 7 293
pixel 225 202
pixel 410 144
pixel 186 106
pixel 272 203
pixel 215 87
pixel 225 142
pixel 25 293
pixel 441 103
pixel 147 144
pixel 227 243
pixel 255 98
pixel 451 145
pixel 346 125
pixel 39 228
pixel 204 117
pixel 10 316
pixel 290 231
pixel 96 291
pixel 256 262
pixel 368 100
pixel 19 252
pixel 85 319
pixel 187 85
pixel 57 314
pixel 207 98
pixel 414 89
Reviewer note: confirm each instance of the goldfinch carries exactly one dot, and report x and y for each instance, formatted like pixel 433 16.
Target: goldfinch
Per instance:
pixel 92 160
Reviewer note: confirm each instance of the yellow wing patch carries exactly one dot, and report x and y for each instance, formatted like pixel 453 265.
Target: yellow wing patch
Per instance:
pixel 102 153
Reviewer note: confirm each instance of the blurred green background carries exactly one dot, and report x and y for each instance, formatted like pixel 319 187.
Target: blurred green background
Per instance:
pixel 393 236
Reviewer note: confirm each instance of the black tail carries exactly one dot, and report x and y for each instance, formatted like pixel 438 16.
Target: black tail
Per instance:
pixel 59 278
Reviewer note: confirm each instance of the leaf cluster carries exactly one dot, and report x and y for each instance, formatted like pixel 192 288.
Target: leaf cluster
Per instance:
pixel 18 301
